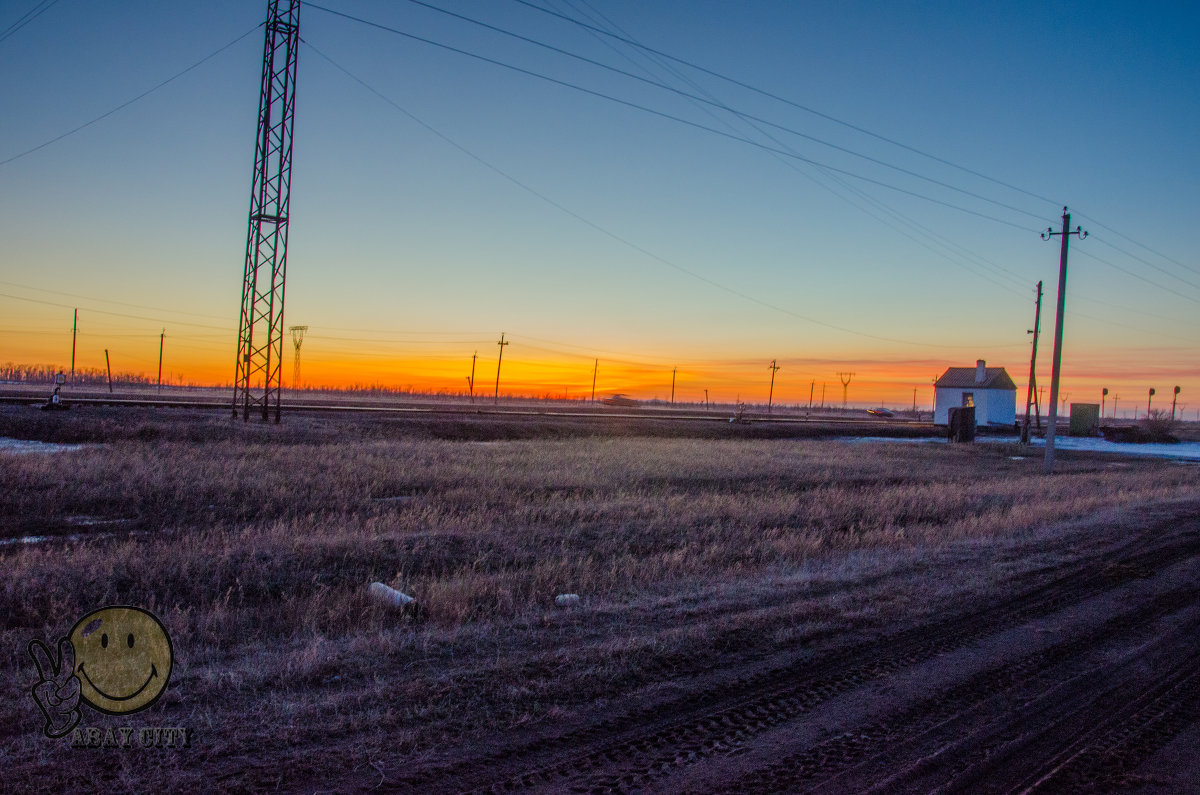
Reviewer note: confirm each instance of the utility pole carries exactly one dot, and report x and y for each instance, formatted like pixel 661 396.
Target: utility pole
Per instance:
pixel 822 395
pixel 108 366
pixel 74 330
pixel 595 369
pixel 774 368
pixel 260 326
pixel 1052 419
pixel 845 379
pixel 1035 331
pixel 1103 398
pixel 914 400
pixel 502 345
pixel 706 399
pixel 471 380
pixel 1173 399
pixel 1148 399
pixel 673 385
pixel 811 387
pixel 298 333
pixel 1065 397
pixel 160 349
pixel 1116 414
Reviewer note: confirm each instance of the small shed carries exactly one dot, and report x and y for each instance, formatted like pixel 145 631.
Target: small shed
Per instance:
pixel 989 389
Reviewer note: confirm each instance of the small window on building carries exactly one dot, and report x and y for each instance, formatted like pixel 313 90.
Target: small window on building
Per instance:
pixel 968 399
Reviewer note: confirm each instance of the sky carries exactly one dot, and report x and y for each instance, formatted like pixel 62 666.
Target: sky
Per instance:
pixel 851 187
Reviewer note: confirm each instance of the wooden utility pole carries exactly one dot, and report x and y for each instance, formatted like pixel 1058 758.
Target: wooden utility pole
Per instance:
pixel 1052 418
pixel 673 371
pixel 595 369
pixel 108 366
pixel 822 395
pixel 74 331
pixel 160 349
pixel 471 380
pixel 502 344
pixel 1035 331
pixel 706 399
pixel 774 368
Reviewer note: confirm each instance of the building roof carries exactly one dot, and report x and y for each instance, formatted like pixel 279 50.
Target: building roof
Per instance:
pixel 964 378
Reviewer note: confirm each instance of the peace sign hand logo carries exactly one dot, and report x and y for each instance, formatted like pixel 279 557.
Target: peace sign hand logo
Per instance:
pixel 57 690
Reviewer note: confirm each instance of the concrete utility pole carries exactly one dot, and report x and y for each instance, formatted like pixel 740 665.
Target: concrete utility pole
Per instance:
pixel 1035 331
pixel 595 369
pixel 74 330
pixel 845 379
pixel 1052 419
pixel 160 349
pixel 502 344
pixel 774 368
pixel 673 385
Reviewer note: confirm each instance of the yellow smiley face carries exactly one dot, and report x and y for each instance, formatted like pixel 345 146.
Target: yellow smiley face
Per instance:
pixel 122 659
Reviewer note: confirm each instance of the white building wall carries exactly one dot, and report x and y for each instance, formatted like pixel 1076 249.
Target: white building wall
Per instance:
pixel 992 406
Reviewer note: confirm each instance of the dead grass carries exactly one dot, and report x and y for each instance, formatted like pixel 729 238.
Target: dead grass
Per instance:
pixel 255 551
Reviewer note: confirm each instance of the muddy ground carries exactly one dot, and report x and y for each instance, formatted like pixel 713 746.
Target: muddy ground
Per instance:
pixel 1054 657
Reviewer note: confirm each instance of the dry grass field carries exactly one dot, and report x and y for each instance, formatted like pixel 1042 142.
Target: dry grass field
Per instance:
pixel 255 545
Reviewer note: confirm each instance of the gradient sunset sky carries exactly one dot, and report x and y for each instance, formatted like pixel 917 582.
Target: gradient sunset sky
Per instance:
pixel 891 233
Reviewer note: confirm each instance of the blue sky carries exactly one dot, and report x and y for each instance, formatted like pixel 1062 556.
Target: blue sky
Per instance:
pixel 407 252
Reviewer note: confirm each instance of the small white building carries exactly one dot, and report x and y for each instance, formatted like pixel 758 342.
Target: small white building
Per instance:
pixel 989 389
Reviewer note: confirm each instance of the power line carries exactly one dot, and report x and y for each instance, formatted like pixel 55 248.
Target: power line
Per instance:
pixel 671 117
pixel 716 104
pixel 40 8
pixel 127 103
pixel 623 241
pixel 785 101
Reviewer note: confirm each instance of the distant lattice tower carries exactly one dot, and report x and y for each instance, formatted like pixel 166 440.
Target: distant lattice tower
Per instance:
pixel 258 380
pixel 297 340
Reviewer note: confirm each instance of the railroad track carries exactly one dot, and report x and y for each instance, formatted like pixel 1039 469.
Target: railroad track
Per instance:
pixel 463 410
pixel 654 748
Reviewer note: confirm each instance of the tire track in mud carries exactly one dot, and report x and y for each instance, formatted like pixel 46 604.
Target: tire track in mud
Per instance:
pixel 883 744
pixel 643 746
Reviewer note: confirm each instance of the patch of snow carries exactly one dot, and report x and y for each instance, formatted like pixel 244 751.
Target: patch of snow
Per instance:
pixel 23 446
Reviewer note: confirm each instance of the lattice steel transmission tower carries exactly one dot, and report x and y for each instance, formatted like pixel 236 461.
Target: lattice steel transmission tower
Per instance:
pixel 257 384
pixel 298 333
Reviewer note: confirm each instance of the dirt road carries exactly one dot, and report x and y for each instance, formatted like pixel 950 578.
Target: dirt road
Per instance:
pixel 1086 677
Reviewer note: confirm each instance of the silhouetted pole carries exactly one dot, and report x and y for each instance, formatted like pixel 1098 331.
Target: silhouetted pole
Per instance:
pixel 1037 326
pixel 502 344
pixel 1148 399
pixel 845 379
pixel 160 349
pixel 822 395
pixel 774 368
pixel 1052 418
pixel 811 387
pixel 1116 412
pixel 1173 399
pixel 673 385
pixel 706 400
pixel 108 366
pixel 914 400
pixel 1103 398
pixel 471 380
pixel 595 369
pixel 74 330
